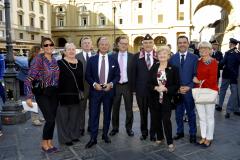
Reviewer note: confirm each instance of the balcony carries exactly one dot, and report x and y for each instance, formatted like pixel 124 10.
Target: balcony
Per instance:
pixel 31 29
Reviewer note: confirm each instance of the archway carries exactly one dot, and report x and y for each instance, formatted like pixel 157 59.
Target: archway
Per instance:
pixel 160 41
pixel 138 43
pixel 61 42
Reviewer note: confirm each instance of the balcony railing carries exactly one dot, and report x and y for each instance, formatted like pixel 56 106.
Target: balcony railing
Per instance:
pixel 33 29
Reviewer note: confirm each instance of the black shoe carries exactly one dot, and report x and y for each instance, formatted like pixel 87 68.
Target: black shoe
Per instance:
pixel 106 139
pixel 153 138
pixel 68 143
pixel 178 136
pixel 130 133
pixel 75 140
pixel 207 145
pixel 143 137
pixel 227 115
pixel 218 108
pixel 193 139
pixel 82 132
pixel 91 143
pixel 236 113
pixel 113 132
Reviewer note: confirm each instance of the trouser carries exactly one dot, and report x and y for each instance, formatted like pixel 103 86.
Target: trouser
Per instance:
pixel 143 105
pixel 95 105
pixel 162 120
pixel 232 105
pixel 122 91
pixel 223 89
pixel 68 122
pixel 206 119
pixel 188 105
pixel 48 106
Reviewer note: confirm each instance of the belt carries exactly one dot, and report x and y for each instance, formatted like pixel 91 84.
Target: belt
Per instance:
pixel 123 83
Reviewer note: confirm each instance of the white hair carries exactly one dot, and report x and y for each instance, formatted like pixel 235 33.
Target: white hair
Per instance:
pixel 69 45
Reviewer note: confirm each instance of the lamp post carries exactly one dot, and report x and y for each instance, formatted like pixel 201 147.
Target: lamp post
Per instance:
pixel 114 27
pixel 12 111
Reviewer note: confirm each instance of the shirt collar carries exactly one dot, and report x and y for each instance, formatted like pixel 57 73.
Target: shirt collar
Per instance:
pixel 153 53
pixel 185 53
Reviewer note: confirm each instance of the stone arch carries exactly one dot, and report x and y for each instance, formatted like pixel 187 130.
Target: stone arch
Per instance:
pixel 61 42
pixel 137 43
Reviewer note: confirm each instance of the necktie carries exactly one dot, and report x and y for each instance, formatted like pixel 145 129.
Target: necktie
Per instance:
pixel 102 71
pixel 148 61
pixel 182 60
pixel 87 57
pixel 121 66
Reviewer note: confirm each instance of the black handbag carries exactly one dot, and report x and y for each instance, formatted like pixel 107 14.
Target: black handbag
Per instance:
pixel 177 99
pixel 37 87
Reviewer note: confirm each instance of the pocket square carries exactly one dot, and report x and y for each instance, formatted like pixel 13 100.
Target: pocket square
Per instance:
pixel 113 66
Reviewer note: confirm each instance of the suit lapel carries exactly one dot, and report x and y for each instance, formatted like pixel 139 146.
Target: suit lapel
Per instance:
pixel 96 70
pixel 109 67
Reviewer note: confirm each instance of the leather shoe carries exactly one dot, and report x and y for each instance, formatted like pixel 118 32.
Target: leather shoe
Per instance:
pixel 218 108
pixel 227 115
pixel 91 143
pixel 193 139
pixel 113 132
pixel 143 137
pixel 68 143
pixel 178 136
pixel 130 133
pixel 106 139
pixel 236 113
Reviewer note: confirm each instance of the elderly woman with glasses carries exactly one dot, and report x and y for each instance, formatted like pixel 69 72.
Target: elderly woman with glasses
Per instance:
pixel 207 71
pixel 44 71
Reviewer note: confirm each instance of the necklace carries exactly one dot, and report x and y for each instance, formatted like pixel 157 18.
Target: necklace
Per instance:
pixel 71 65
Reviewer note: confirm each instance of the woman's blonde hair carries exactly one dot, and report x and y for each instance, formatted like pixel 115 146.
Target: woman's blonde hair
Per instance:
pixel 164 48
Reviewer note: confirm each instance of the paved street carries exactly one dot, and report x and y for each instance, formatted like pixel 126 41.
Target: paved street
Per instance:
pixel 21 142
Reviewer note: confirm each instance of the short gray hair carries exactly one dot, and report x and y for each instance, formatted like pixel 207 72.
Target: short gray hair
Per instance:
pixel 69 45
pixel 205 44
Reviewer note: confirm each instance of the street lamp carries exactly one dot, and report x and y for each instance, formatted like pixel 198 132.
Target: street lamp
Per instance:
pixel 12 111
pixel 114 27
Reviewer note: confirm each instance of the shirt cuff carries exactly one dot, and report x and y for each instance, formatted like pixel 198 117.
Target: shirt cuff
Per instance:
pixel 94 84
pixel 111 83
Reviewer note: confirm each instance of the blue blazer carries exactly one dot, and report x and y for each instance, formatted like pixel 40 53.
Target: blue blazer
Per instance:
pixel 92 76
pixel 189 69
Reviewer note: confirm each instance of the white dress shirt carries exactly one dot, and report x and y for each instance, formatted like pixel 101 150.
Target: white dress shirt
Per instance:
pixel 106 66
pixel 185 54
pixel 85 55
pixel 123 70
pixel 151 57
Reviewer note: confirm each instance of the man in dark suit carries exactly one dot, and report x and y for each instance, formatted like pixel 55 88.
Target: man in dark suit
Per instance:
pixel 187 64
pixel 217 55
pixel 142 63
pixel 123 88
pixel 86 45
pixel 102 74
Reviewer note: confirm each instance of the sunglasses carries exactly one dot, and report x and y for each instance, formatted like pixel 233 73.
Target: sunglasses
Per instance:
pixel 46 45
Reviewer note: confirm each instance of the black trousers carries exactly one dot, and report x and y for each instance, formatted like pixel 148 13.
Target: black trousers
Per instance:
pixel 48 106
pixel 162 121
pixel 143 105
pixel 122 91
pixel 68 119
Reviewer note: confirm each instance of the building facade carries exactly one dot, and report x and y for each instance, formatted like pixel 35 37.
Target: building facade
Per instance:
pixel 163 20
pixel 30 20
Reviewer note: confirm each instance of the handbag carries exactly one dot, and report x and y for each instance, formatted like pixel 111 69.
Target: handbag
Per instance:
pixel 204 95
pixel 80 94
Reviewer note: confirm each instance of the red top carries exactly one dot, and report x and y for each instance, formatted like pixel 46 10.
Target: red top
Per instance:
pixel 207 71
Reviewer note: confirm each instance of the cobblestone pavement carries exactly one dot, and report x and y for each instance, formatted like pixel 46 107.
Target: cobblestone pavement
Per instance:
pixel 21 142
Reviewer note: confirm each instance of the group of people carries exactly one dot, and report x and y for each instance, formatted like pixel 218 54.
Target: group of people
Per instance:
pixel 161 81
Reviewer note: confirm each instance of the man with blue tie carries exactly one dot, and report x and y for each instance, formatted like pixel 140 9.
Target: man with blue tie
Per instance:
pixel 102 74
pixel 187 64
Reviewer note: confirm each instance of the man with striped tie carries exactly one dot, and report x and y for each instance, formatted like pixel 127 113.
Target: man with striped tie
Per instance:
pixel 142 63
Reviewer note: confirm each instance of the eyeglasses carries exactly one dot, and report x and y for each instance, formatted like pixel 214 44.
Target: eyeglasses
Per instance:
pixel 46 45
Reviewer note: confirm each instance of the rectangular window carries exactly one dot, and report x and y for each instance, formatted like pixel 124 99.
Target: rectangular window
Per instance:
pixel 41 8
pixel 84 21
pixel 120 21
pixel 102 21
pixel 32 37
pixel 42 24
pixel 140 19
pixel 60 22
pixel 139 5
pixel 181 1
pixel 19 3
pixel 160 18
pixel 181 16
pixel 20 20
pixel 31 21
pixel 20 35
pixel 31 5
pixel 1 15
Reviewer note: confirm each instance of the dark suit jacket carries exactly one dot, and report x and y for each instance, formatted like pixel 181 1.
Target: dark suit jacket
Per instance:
pixel 219 57
pixel 189 68
pixel 92 76
pixel 140 75
pixel 173 84
pixel 129 65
